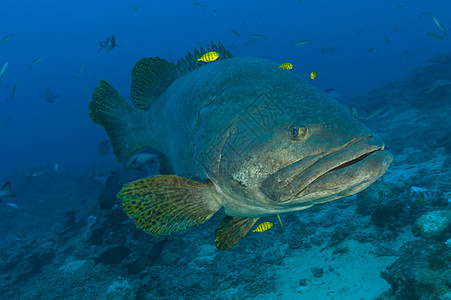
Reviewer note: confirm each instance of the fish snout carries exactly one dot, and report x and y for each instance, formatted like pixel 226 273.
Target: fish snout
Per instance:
pixel 337 171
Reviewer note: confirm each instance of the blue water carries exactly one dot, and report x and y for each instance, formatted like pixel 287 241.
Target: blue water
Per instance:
pixel 65 216
pixel 66 34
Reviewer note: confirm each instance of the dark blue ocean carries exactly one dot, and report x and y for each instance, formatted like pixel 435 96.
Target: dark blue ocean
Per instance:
pixel 65 235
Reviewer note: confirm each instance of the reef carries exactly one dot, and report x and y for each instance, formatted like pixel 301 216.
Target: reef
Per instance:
pixel 423 271
pixel 69 237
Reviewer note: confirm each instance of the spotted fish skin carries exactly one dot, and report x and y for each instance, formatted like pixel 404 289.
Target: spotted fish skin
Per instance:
pixel 237 114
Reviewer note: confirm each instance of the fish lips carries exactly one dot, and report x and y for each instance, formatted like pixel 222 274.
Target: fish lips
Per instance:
pixel 346 181
pixel 322 177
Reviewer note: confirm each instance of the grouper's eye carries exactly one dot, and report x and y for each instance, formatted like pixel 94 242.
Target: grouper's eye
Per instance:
pixel 297 132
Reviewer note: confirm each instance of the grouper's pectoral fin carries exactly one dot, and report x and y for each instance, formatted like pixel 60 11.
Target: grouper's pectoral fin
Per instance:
pixel 232 230
pixel 164 204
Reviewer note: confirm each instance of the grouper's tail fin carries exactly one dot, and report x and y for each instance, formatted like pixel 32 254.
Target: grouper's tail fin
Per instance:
pixel 109 109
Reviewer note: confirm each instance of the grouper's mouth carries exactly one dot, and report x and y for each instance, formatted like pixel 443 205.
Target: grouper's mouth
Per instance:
pixel 352 162
pixel 325 176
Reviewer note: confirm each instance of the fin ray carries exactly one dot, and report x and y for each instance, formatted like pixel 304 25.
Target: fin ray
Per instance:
pixel 168 203
pixel 232 230
pixel 189 62
pixel 151 76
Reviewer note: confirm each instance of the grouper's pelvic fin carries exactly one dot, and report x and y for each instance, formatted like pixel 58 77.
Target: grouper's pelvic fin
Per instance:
pixel 109 109
pixel 232 230
pixel 191 61
pixel 150 78
pixel 164 204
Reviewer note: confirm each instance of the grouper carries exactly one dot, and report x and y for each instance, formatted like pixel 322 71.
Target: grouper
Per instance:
pixel 237 133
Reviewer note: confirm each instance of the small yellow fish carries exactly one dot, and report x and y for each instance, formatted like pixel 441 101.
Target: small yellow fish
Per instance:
pixel 209 56
pixel 263 227
pixel 286 66
pixel 313 75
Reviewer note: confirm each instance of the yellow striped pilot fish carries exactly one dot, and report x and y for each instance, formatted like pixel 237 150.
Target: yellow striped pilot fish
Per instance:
pixel 209 56
pixel 286 66
pixel 263 227
pixel 313 75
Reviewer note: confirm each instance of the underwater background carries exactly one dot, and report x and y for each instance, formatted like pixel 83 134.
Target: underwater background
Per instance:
pixel 64 234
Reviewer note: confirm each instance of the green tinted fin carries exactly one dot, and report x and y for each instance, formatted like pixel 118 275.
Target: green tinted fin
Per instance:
pixel 164 204
pixel 232 230
pixel 109 109
pixel 151 76
pixel 190 61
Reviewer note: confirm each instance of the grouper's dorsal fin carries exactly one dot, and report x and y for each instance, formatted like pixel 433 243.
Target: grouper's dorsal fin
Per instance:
pixel 190 61
pixel 151 76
